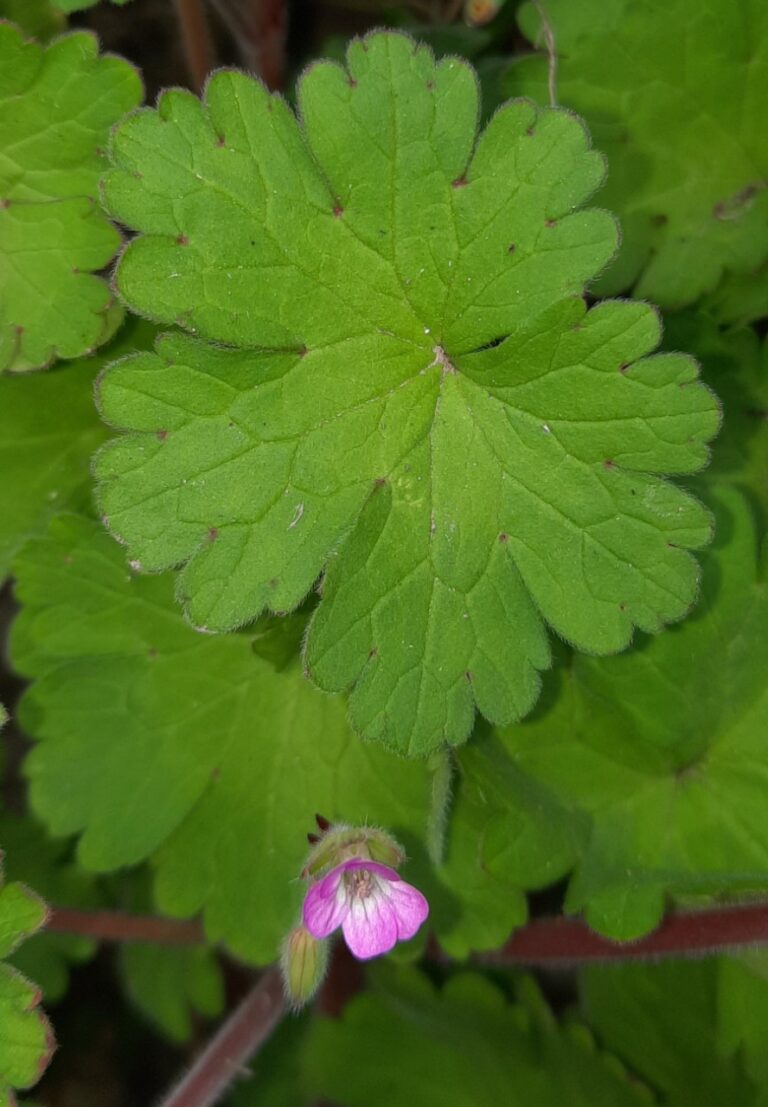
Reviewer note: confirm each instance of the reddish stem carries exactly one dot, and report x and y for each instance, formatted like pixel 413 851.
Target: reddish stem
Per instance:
pixel 116 926
pixel 561 940
pixel 240 1036
pixel 344 980
pixel 259 28
pixel 198 49
pixel 542 941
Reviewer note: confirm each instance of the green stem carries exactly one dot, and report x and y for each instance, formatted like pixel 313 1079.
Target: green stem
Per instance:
pixel 441 764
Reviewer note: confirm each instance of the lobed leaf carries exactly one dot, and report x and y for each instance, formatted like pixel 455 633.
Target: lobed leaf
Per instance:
pixel 417 406
pixel 57 104
pixel 464 1044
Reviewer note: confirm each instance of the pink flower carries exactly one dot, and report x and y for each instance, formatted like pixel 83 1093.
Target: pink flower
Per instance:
pixel 372 905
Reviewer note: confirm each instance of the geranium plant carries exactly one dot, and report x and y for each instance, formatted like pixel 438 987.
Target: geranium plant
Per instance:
pixel 384 435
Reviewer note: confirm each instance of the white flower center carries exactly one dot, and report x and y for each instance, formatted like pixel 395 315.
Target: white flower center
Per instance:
pixel 360 883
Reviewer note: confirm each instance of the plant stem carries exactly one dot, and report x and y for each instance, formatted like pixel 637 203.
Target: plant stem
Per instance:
pixel 441 764
pixel 541 942
pixel 570 941
pixel 549 42
pixel 259 27
pixel 116 926
pixel 198 49
pixel 240 1036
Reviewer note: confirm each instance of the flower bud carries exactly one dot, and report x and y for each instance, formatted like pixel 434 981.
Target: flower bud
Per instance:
pixel 303 961
pixel 383 847
pixel 340 843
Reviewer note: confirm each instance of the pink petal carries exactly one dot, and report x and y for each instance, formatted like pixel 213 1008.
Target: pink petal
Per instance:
pixel 326 904
pixel 371 866
pixel 409 906
pixel 370 926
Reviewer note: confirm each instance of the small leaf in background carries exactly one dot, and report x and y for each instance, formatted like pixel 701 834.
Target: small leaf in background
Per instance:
pixel 48 865
pixel 57 105
pixel 405 1042
pixel 740 298
pixel 441 426
pixel 665 1022
pixel 49 429
pixel 675 96
pixel 36 18
pixel 26 1039
pixel 742 1013
pixel 664 748
pixel 734 362
pixel 169 984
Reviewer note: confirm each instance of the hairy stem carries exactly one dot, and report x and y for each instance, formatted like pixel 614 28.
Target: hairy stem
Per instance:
pixel 240 1036
pixel 441 764
pixel 198 49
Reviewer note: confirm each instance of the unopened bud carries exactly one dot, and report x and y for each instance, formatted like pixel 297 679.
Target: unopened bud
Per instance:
pixel 383 847
pixel 341 843
pixel 303 962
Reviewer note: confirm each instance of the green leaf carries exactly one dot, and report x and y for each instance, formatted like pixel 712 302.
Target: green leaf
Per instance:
pixel 57 105
pixel 506 834
pixel 432 418
pixel 36 18
pixel 216 763
pixel 663 1021
pixel 734 363
pixel 664 748
pixel 674 95
pixel 278 639
pixel 168 983
pixel 740 298
pixel 742 1013
pixel 48 866
pixel 26 1040
pixel 80 5
pixel 226 760
pixel 21 914
pixel 408 1043
pixel 48 430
